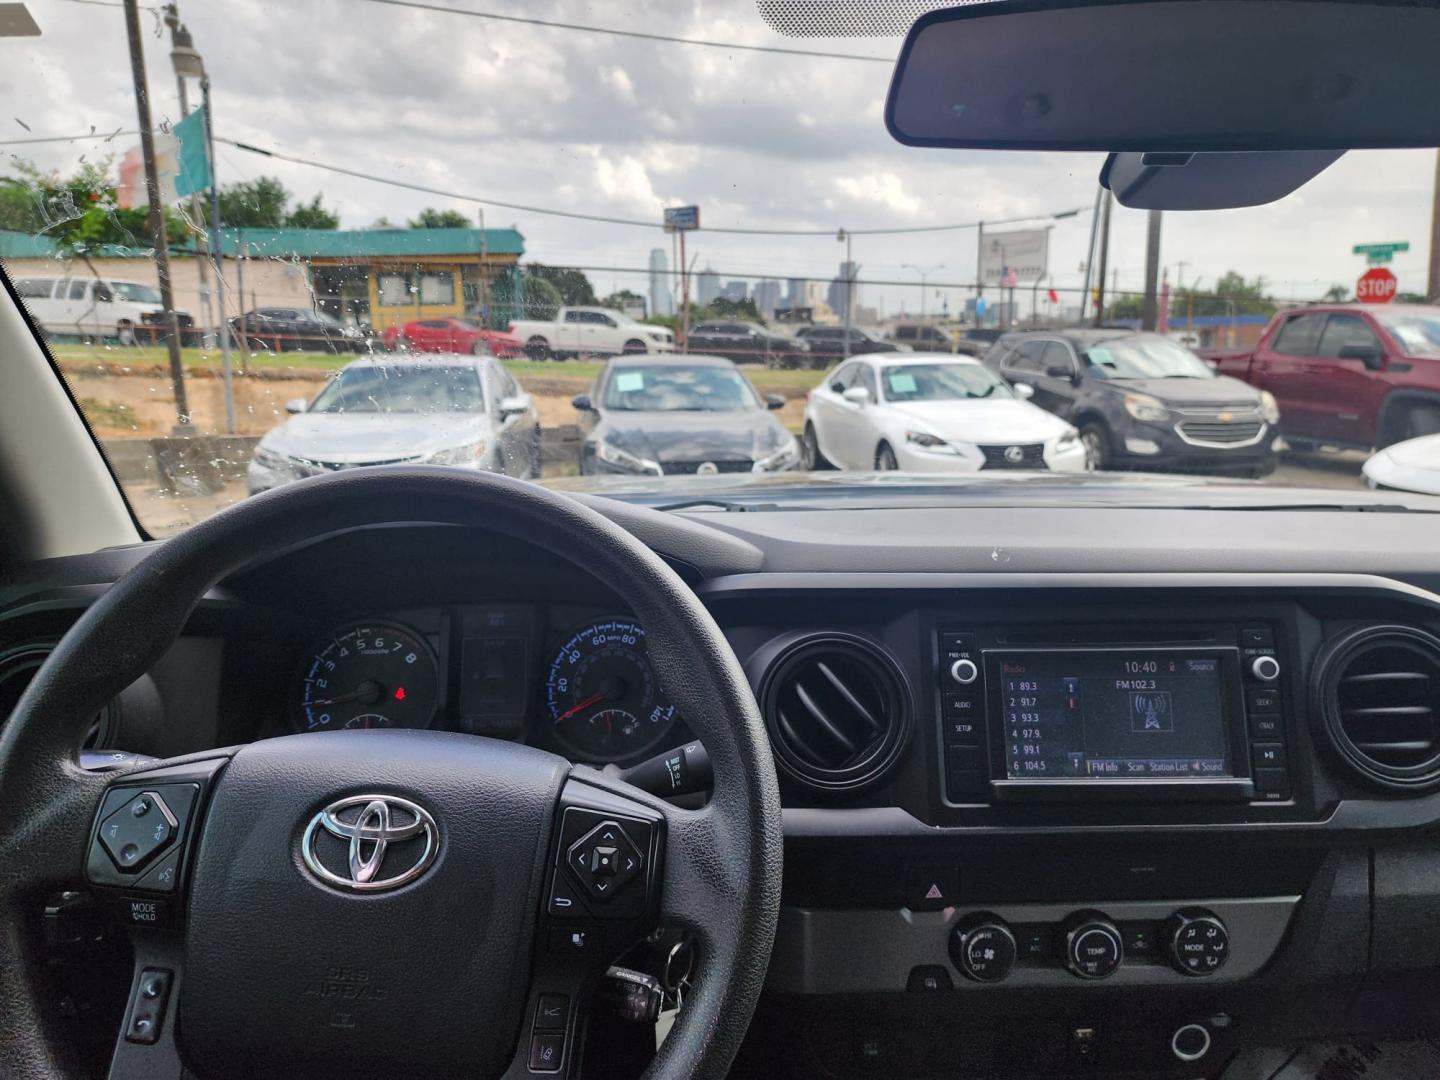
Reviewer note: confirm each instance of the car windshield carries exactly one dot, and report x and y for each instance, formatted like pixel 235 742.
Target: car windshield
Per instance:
pixel 941 382
pixel 140 294
pixel 1416 329
pixel 397 388
pixel 678 388
pixel 588 183
pixel 1146 358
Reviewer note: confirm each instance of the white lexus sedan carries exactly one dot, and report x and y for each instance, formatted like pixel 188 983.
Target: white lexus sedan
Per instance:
pixel 461 410
pixel 931 412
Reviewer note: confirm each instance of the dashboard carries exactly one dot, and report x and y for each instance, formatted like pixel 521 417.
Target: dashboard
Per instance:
pixel 1054 803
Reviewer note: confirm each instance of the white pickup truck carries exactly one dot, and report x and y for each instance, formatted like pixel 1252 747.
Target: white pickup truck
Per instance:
pixel 579 330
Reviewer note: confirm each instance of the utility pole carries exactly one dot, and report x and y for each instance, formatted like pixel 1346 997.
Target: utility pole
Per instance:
pixel 1106 199
pixel 484 272
pixel 1150 308
pixel 1090 253
pixel 979 271
pixel 849 289
pixel 1432 290
pixel 224 324
pixel 684 295
pixel 197 208
pixel 183 425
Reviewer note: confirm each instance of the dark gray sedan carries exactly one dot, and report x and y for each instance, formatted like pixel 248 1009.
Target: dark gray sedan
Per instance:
pixel 694 415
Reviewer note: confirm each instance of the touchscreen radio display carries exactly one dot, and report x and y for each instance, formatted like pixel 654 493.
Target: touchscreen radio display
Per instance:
pixel 1119 714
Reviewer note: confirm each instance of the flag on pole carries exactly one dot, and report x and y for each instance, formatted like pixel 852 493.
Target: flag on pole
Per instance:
pixel 130 193
pixel 193 174
pixel 1052 296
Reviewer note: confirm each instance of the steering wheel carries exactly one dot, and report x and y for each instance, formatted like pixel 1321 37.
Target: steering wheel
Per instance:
pixel 383 903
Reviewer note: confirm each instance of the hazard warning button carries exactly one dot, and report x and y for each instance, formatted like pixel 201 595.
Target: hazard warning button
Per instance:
pixel 931 888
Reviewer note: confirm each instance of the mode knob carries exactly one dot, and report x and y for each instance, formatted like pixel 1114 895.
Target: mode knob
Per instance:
pixel 1093 947
pixel 964 672
pixel 1197 941
pixel 983 948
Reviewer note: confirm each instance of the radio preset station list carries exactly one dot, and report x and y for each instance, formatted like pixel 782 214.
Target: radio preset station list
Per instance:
pixel 1117 715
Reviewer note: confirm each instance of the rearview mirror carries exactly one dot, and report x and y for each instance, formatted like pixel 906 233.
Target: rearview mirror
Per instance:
pixel 856 395
pixel 1143 75
pixel 1024 391
pixel 774 401
pixel 513 406
pixel 1369 354
pixel 582 403
pixel 296 405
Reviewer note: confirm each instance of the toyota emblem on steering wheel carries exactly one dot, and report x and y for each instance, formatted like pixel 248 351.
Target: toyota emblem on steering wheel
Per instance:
pixel 391 841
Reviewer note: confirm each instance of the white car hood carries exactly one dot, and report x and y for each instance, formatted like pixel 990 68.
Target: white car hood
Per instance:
pixel 362 438
pixel 1412 465
pixel 979 421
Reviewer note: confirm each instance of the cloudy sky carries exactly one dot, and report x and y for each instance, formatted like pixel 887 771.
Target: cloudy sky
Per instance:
pixel 623 127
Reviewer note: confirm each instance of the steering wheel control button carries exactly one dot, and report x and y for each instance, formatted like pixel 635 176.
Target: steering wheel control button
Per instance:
pixel 137 831
pixel 164 874
pixel 546 1053
pixel 565 900
pixel 147 1008
pixel 1265 668
pixel 929 979
pixel 1093 947
pixel 1199 943
pixel 1190 1042
pixel 604 860
pixel 551 1012
pixel 574 940
pixel 144 911
pixel 983 948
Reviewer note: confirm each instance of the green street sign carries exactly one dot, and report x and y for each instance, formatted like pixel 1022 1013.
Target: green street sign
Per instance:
pixel 1375 250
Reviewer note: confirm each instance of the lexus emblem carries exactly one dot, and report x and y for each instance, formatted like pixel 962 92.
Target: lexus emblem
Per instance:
pixel 707 468
pixel 390 841
pixel 1014 454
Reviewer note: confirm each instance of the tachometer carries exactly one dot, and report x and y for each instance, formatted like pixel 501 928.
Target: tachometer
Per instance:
pixel 374 675
pixel 601 693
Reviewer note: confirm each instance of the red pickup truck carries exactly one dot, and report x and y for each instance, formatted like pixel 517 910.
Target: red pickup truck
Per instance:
pixel 1358 375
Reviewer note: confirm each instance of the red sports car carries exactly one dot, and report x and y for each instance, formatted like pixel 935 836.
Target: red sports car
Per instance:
pixel 452 335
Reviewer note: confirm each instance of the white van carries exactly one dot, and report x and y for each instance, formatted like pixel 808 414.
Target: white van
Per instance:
pixel 96 307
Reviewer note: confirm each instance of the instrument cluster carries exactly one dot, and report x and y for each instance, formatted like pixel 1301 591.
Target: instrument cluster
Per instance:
pixel 570 680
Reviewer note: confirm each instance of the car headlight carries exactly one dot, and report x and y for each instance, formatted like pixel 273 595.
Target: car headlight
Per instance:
pixel 469 454
pixel 928 441
pixel 1145 408
pixel 1069 438
pixel 1269 407
pixel 269 459
pixel 787 457
pixel 612 455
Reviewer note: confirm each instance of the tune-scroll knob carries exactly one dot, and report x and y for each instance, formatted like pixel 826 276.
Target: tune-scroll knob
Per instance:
pixel 964 672
pixel 983 948
pixel 1093 947
pixel 1197 941
pixel 1265 668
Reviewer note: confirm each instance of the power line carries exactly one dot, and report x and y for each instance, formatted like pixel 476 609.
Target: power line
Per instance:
pixel 523 208
pixel 666 38
pixel 67 138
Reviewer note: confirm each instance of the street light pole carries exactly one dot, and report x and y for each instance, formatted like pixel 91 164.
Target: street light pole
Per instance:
pixel 924 273
pixel 157 217
pixel 197 212
pixel 224 327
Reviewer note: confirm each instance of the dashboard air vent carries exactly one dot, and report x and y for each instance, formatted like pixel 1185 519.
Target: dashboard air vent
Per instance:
pixel 1378 689
pixel 835 710
pixel 18 665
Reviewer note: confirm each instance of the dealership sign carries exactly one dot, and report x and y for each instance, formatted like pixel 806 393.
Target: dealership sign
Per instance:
pixel 682 218
pixel 1018 256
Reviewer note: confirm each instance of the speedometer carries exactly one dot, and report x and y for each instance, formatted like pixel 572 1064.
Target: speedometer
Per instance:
pixel 372 675
pixel 601 694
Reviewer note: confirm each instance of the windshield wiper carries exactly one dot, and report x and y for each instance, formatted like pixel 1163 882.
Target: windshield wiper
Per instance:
pixel 718 504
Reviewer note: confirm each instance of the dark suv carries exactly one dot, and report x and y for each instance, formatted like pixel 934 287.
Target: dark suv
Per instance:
pixel 742 341
pixel 1142 401
pixel 827 344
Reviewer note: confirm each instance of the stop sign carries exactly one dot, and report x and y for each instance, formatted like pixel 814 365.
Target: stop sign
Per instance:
pixel 1376 286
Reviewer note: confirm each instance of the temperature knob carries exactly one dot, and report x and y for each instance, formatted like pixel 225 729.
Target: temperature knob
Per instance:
pixel 1198 941
pixel 983 948
pixel 1093 948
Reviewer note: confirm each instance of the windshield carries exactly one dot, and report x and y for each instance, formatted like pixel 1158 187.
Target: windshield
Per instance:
pixel 140 294
pixel 678 388
pixel 1137 358
pixel 400 389
pixel 664 174
pixel 941 382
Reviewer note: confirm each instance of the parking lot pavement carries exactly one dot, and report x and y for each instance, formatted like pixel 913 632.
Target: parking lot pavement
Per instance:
pixel 1321 469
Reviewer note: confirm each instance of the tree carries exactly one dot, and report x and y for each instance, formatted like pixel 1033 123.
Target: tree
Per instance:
pixel 723 308
pixel 542 298
pixel 617 301
pixel 79 212
pixel 254 204
pixel 574 287
pixel 1336 294
pixel 430 218
pixel 311 215
pixel 1232 295
pixel 1125 307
